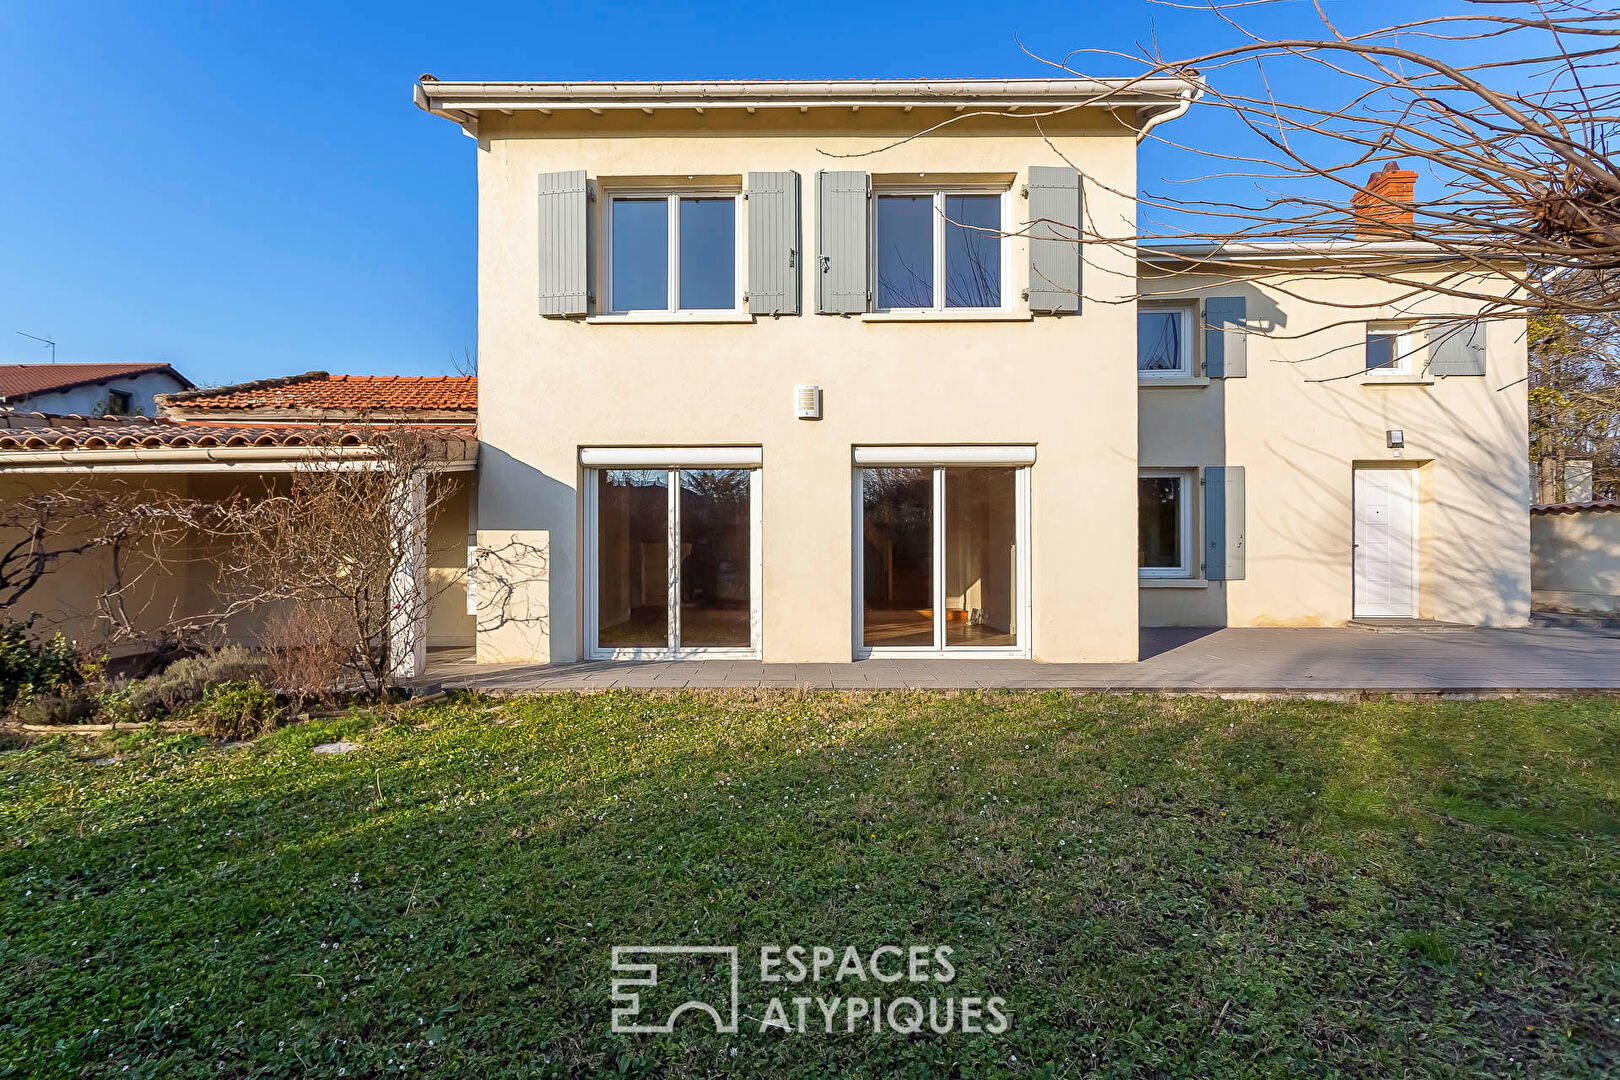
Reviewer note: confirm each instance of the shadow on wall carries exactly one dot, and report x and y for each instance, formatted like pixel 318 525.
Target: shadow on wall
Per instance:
pixel 1575 561
pixel 1473 505
pixel 520 512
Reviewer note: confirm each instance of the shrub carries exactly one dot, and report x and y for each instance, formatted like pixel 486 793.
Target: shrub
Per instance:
pixel 113 707
pixel 68 707
pixel 28 666
pixel 236 710
pixel 309 647
pixel 184 682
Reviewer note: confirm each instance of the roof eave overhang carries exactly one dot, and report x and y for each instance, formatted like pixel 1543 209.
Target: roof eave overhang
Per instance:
pixel 461 456
pixel 463 102
pixel 1239 254
pixel 404 417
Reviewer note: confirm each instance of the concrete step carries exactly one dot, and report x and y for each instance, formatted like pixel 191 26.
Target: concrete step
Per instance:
pixel 1385 626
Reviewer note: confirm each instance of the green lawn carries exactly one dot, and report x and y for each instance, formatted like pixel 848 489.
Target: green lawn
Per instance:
pixel 1172 887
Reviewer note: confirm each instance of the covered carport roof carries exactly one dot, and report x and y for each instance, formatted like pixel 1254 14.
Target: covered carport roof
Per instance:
pixel 39 442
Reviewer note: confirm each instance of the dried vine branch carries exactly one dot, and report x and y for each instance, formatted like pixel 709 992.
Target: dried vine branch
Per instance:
pixel 1509 112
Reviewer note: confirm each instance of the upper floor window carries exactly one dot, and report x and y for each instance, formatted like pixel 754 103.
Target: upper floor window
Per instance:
pixel 1389 349
pixel 671 252
pixel 119 402
pixel 937 250
pixel 1163 341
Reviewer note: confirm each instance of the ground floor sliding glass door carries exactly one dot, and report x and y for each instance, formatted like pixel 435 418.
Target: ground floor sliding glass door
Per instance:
pixel 673 558
pixel 942 552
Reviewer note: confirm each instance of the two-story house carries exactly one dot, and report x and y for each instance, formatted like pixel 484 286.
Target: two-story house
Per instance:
pixel 819 371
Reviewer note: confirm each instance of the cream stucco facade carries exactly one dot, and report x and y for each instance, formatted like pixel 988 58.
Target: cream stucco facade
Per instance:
pixel 1063 388
pixel 1307 414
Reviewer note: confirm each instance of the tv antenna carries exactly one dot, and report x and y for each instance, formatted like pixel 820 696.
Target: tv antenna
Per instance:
pixel 46 340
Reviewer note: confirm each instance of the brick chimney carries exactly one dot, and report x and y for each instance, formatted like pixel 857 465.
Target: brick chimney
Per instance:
pixel 1383 208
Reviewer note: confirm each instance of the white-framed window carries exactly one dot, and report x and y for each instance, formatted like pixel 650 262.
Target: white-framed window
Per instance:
pixel 939 249
pixel 942 551
pixel 1164 523
pixel 672 544
pixel 671 251
pixel 1164 347
pixel 1389 348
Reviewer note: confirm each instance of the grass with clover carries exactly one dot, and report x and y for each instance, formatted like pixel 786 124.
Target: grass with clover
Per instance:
pixel 1155 886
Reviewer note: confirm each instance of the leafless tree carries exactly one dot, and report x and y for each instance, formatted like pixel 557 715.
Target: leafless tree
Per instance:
pixel 121 539
pixel 35 538
pixel 340 550
pixel 1510 110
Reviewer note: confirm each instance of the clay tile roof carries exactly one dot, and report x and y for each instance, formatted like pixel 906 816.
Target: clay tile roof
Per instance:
pixel 38 431
pixel 22 380
pixel 1576 507
pixel 316 390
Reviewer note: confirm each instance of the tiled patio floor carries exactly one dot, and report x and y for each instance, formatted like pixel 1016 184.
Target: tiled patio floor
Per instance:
pixel 1328 661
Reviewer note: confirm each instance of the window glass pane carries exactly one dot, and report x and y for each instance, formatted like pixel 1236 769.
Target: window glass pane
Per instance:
pixel 1381 350
pixel 1158 522
pixel 640 254
pixel 897 546
pixel 972 251
pixel 715 561
pixel 632 558
pixel 708 253
pixel 1159 340
pixel 905 243
pixel 981 557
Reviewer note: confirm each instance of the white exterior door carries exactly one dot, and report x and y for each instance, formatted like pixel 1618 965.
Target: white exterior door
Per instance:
pixel 1386 576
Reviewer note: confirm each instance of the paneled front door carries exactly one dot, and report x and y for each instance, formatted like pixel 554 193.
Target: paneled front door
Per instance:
pixel 1386 573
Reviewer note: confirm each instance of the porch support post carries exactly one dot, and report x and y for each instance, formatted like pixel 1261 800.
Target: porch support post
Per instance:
pixel 407 587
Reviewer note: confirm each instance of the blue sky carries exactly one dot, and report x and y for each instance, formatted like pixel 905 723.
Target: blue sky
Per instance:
pixel 246 190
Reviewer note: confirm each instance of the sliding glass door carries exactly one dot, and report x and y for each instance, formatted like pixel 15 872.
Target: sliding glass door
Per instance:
pixel 941 559
pixel 675 555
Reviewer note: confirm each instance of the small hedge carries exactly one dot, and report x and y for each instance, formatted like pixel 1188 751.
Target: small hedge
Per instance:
pixel 29 666
pixel 186 682
pixel 236 710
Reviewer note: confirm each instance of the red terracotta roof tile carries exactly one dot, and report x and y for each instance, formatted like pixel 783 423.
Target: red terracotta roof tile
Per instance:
pixel 316 390
pixel 37 431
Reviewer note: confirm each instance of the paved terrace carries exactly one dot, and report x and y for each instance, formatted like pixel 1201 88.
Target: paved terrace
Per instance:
pixel 1266 661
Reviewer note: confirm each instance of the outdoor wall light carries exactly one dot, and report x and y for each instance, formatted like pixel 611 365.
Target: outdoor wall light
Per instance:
pixel 807 402
pixel 1395 438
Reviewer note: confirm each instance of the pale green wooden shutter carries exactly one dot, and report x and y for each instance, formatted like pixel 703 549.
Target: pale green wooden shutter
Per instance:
pixel 1223 522
pixel 841 237
pixel 1226 341
pixel 773 243
pixel 1054 239
pixel 564 243
pixel 1458 350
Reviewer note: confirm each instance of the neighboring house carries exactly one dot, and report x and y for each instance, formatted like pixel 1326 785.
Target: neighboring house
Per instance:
pixel 769 374
pixel 87 389
pixel 242 440
pixel 1575 556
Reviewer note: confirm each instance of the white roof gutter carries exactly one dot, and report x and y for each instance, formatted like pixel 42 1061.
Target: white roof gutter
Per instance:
pixel 202 459
pixel 461 102
pixel 1306 251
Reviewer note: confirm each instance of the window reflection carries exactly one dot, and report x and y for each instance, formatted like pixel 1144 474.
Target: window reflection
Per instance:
pixel 716 558
pixel 632 558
